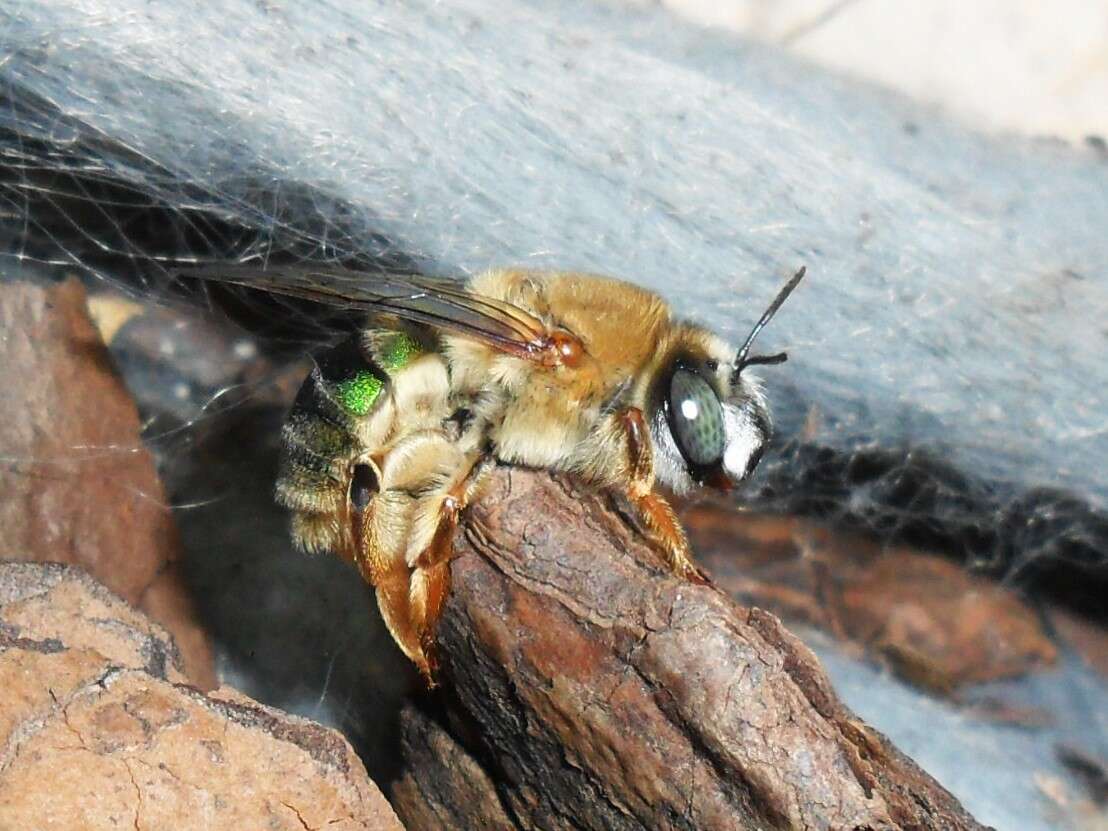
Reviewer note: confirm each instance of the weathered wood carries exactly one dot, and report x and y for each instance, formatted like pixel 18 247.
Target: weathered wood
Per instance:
pixel 597 691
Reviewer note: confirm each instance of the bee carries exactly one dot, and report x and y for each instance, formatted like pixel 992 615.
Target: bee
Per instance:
pixel 391 433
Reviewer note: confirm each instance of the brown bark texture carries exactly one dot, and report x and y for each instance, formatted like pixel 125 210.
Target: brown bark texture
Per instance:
pixel 583 686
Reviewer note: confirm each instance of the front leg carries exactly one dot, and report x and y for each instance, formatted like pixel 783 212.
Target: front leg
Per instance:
pixel 655 512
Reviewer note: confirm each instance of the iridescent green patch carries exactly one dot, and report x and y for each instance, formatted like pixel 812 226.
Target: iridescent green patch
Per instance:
pixel 358 394
pixel 397 350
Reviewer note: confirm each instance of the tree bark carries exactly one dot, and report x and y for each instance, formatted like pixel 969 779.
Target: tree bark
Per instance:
pixel 583 686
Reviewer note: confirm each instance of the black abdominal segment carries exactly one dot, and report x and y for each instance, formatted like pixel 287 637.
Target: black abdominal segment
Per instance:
pixel 319 436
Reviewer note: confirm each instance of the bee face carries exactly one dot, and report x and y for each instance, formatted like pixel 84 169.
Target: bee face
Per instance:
pixel 709 428
pixel 714 434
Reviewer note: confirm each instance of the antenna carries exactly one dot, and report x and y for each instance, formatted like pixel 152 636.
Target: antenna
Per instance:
pixel 743 358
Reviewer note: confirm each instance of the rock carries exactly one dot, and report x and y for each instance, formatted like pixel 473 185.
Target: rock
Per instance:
pixel 1084 637
pixel 930 620
pixel 100 729
pixel 78 486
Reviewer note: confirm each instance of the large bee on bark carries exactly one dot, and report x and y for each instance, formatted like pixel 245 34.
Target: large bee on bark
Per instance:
pixel 391 433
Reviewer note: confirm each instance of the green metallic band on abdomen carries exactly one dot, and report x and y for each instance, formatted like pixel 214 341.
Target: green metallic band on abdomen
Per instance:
pixel 353 377
pixel 397 350
pixel 358 394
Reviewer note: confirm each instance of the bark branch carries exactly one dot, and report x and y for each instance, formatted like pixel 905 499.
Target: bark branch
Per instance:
pixel 594 690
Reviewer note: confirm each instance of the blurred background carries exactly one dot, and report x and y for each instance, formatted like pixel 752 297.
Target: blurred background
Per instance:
pixel 999 66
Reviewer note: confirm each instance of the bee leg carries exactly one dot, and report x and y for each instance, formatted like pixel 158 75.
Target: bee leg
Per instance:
pixel 426 595
pixel 659 517
pixel 655 511
pixel 372 514
pixel 393 599
pixel 432 545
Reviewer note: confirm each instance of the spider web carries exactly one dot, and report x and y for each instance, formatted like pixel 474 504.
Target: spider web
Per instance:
pixel 947 380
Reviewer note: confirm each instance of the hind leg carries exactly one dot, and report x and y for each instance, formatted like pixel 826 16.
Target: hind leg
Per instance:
pixel 401 518
pixel 377 521
pixel 422 478
pixel 432 544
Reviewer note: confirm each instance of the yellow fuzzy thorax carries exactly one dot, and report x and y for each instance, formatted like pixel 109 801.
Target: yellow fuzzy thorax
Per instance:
pixel 548 418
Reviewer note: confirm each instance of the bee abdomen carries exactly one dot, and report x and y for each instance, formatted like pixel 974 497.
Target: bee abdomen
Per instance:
pixel 344 385
pixel 319 437
pixel 337 412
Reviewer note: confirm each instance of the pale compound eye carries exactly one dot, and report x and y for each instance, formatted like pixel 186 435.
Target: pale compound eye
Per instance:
pixel 696 419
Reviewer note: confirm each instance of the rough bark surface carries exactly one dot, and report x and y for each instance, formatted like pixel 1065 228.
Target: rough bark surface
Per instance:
pixel 99 728
pixel 77 485
pixel 594 690
pixel 458 793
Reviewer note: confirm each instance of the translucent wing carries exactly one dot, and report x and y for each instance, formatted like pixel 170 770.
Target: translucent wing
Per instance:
pixel 443 304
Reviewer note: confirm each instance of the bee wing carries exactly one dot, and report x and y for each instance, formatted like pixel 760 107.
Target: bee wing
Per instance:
pixel 443 304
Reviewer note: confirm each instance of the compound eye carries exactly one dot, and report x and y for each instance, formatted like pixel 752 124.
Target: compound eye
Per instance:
pixel 696 419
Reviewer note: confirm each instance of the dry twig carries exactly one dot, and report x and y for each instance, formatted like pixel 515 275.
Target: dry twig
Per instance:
pixel 584 687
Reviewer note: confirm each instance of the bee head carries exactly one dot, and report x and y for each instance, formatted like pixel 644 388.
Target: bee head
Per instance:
pixel 712 424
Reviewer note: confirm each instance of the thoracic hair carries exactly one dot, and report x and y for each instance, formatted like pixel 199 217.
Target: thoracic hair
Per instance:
pixel 556 419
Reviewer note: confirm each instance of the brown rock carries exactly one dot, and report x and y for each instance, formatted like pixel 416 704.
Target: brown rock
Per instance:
pixel 98 729
pixel 930 618
pixel 41 603
pixel 933 622
pixel 77 486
